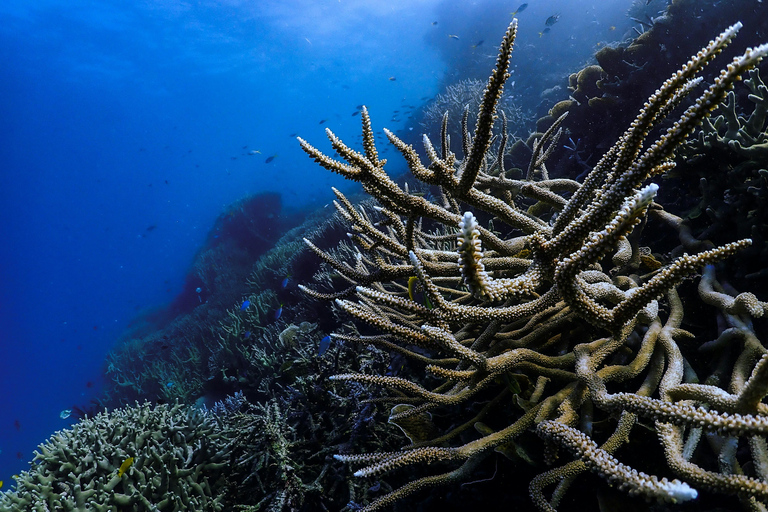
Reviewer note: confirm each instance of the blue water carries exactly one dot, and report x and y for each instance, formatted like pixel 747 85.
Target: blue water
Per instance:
pixel 127 127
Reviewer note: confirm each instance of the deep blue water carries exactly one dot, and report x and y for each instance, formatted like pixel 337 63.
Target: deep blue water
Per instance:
pixel 127 127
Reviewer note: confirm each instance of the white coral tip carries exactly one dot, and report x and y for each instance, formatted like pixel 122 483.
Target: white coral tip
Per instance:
pixel 680 491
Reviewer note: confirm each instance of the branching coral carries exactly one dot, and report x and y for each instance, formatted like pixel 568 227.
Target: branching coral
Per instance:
pixel 527 300
pixel 138 458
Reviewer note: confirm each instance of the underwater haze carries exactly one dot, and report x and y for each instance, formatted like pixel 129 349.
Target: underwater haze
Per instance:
pixel 129 127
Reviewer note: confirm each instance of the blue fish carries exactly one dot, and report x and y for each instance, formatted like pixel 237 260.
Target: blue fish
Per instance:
pixel 520 9
pixel 324 344
pixel 278 312
pixel 246 335
pixel 245 305
pixel 285 282
pixel 552 20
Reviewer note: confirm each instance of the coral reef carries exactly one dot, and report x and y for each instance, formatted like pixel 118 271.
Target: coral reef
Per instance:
pixel 138 458
pixel 198 352
pixel 539 312
pixel 283 422
pixel 527 304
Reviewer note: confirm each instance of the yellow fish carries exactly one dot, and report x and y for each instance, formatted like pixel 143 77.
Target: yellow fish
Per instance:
pixel 124 466
pixel 412 281
pixel 1 484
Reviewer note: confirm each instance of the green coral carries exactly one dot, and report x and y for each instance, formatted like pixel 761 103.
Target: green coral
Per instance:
pixel 178 459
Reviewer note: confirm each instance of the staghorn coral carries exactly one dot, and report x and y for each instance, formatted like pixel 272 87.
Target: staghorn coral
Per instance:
pixel 283 438
pixel 518 325
pixel 178 454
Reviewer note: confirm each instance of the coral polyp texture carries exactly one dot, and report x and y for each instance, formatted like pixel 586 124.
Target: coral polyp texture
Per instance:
pixel 538 319
pixel 164 458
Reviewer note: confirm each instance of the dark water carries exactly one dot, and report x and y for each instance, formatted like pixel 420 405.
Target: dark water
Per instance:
pixel 129 127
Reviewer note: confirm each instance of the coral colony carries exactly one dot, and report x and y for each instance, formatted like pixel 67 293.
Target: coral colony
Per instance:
pixel 534 314
pixel 179 456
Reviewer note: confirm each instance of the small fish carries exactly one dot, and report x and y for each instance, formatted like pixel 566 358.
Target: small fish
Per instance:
pixel 552 20
pixel 453 36
pixel 324 344
pixel 612 27
pixel 66 413
pixel 278 312
pixel 322 121
pixel 295 134
pixel 254 152
pixel 127 463
pixel 170 384
pixel 412 281
pixel 359 107
pixel 245 305
pixel 392 79
pixel 285 282
pixel 545 31
pixel 246 335
pixel 269 159
pixel 355 113
pixel 152 227
pixel 434 23
pixel 520 9
pixel 478 43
